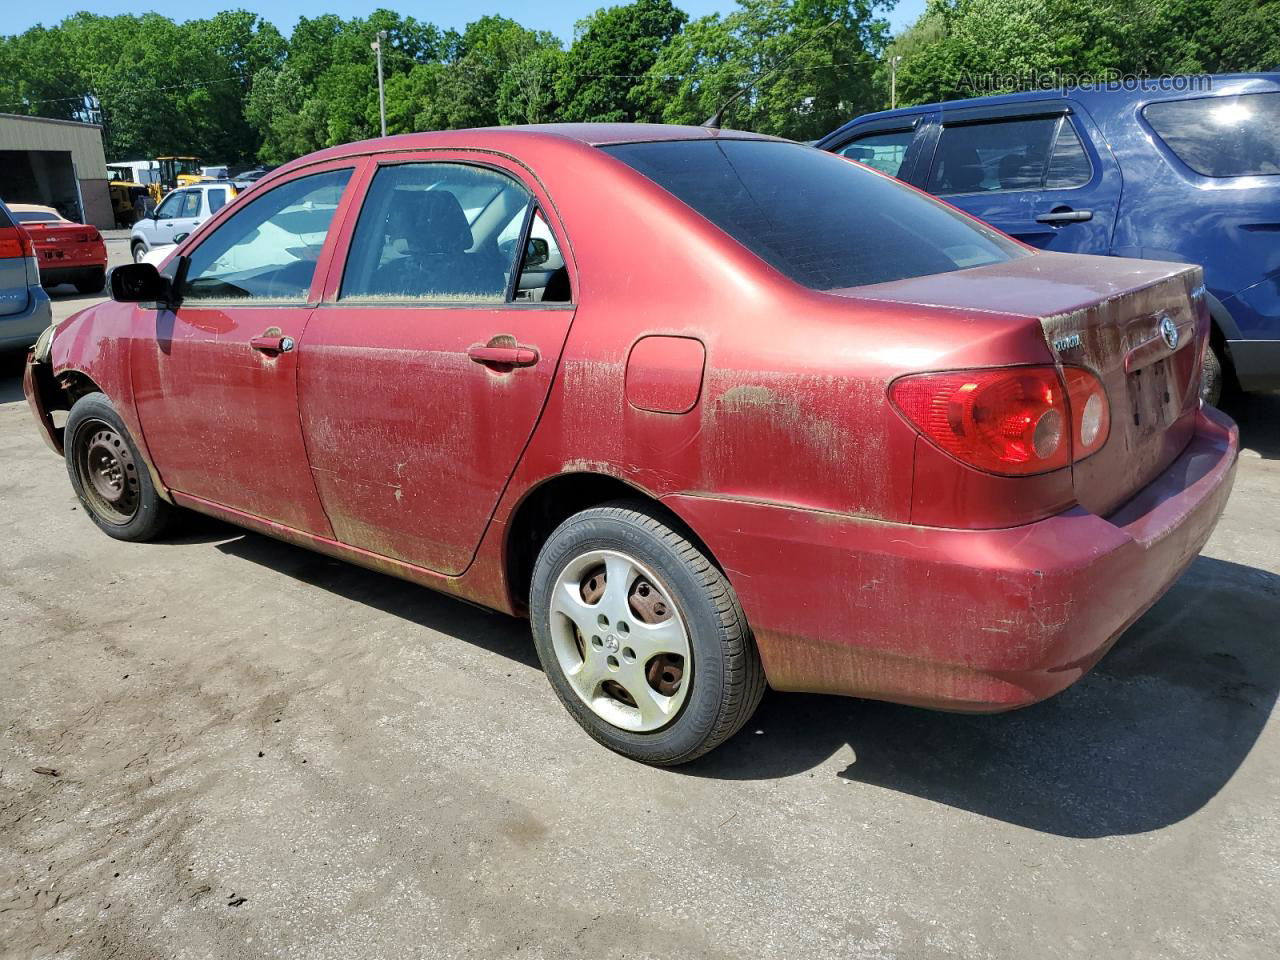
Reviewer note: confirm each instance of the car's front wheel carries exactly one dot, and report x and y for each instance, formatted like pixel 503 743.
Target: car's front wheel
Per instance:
pixel 108 474
pixel 139 251
pixel 641 636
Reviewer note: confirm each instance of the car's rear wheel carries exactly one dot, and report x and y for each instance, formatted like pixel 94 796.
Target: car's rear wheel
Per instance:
pixel 641 636
pixel 1211 377
pixel 139 251
pixel 108 474
pixel 93 281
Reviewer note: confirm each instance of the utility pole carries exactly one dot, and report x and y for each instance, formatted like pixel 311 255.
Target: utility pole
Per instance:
pixel 382 98
pixel 893 82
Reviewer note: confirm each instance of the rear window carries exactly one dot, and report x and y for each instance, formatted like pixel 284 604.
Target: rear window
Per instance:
pixel 23 217
pixel 1222 136
pixel 822 221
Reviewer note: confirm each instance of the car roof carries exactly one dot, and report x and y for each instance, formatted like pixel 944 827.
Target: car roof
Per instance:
pixel 1179 88
pixel 33 208
pixel 506 138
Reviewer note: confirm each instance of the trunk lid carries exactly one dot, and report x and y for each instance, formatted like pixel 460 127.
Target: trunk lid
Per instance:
pixel 1138 325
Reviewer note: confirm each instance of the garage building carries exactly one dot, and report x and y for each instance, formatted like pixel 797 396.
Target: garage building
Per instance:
pixel 58 163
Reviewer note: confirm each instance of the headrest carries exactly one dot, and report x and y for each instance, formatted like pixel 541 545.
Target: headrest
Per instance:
pixel 429 222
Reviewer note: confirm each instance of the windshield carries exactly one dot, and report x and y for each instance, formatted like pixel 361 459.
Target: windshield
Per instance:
pixel 823 221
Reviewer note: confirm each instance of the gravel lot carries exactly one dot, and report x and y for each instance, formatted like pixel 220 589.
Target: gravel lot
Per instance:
pixel 264 753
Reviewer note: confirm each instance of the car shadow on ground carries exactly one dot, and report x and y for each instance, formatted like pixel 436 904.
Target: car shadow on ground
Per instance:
pixel 493 631
pixel 1258 415
pixel 1142 742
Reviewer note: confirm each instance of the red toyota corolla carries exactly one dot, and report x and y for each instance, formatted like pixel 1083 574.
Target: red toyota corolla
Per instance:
pixel 68 252
pixel 711 409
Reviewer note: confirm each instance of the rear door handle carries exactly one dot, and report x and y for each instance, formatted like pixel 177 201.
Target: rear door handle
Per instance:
pixel 272 344
pixel 504 356
pixel 1065 216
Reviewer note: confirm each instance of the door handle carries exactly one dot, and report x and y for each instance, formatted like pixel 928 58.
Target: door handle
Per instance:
pixel 1065 216
pixel 504 356
pixel 272 344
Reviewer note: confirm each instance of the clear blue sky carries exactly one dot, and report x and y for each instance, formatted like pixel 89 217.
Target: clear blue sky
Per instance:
pixel 558 16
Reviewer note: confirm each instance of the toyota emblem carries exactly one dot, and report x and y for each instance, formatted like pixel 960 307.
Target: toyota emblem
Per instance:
pixel 1169 330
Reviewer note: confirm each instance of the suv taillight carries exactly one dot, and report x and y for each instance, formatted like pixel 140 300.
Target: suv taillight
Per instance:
pixel 15 242
pixel 1012 421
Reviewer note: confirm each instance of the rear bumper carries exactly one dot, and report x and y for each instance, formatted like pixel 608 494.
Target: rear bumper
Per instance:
pixel 971 620
pixel 20 330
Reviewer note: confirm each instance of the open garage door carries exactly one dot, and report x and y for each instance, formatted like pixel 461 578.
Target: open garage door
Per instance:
pixel 46 177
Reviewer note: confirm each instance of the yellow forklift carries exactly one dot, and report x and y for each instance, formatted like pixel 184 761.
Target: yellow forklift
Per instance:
pixel 130 200
pixel 178 172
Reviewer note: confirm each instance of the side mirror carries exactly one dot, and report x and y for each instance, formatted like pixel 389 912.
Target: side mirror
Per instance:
pixel 140 283
pixel 180 237
pixel 537 252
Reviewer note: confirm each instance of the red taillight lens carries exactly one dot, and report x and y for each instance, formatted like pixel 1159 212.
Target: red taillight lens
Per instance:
pixel 1014 421
pixel 15 242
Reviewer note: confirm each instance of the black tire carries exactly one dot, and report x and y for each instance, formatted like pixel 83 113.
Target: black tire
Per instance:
pixel 92 282
pixel 139 251
pixel 101 456
pixel 1211 377
pixel 728 678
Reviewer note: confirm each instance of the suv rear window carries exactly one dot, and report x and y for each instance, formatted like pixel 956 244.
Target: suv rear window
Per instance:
pixel 822 221
pixel 1221 136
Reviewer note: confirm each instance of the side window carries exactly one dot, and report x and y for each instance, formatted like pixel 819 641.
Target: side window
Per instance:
pixel 217 200
pixel 984 157
pixel 881 151
pixel 435 232
pixel 1222 136
pixel 171 205
pixel 268 249
pixel 190 204
pixel 1068 164
pixel 544 278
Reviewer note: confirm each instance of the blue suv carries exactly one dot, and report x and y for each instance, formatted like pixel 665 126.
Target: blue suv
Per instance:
pixel 1188 173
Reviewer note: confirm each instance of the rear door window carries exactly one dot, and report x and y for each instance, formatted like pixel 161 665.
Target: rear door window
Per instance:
pixel 1221 136
pixel 881 151
pixel 1009 155
pixel 190 204
pixel 821 221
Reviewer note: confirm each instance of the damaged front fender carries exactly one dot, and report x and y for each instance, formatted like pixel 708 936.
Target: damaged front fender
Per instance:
pixel 41 390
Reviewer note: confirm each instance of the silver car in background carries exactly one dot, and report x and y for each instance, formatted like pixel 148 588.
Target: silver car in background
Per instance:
pixel 24 306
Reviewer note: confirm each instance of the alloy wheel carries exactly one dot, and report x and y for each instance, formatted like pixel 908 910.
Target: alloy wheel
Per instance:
pixel 621 641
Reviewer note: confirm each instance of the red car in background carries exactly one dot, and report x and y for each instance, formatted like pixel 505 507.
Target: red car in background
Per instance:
pixel 709 408
pixel 68 252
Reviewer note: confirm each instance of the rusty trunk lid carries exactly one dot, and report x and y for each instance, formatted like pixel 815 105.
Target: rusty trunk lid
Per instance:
pixel 1138 325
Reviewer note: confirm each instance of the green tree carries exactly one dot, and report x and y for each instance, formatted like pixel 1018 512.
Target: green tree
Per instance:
pixel 498 73
pixel 613 49
pixel 824 53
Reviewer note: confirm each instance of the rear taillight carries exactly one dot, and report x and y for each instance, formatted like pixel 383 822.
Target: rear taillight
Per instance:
pixel 1013 421
pixel 15 242
pixel 1090 412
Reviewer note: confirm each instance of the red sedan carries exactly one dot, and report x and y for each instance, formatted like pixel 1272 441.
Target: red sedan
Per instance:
pixel 68 252
pixel 710 409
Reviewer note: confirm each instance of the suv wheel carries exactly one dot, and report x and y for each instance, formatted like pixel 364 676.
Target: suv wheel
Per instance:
pixel 139 251
pixel 641 636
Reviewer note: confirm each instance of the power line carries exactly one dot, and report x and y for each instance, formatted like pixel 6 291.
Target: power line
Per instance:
pixel 122 93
